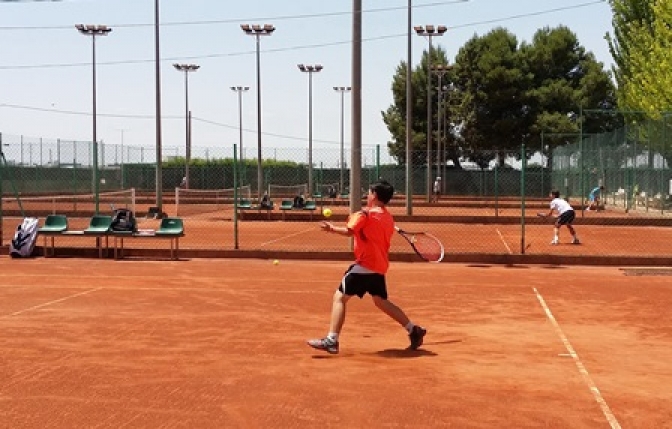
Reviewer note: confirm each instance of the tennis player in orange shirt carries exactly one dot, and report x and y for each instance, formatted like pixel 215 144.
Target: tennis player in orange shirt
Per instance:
pixel 372 229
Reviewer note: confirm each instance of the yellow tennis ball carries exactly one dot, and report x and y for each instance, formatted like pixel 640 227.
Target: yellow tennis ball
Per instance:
pixel 326 212
pixel 276 262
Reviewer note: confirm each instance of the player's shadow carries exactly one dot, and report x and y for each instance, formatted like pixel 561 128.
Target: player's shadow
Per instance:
pixel 404 353
pixel 408 353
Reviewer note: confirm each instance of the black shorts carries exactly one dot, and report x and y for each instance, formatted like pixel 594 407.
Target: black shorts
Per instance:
pixel 566 218
pixel 361 284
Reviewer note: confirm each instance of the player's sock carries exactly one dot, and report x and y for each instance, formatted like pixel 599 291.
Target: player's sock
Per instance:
pixel 333 336
pixel 409 327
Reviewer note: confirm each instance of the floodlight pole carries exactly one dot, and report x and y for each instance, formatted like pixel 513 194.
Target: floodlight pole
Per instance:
pixel 409 112
pixel 342 90
pixel 93 31
pixel 240 90
pixel 187 68
pixel 356 112
pixel 257 31
pixel 430 32
pixel 310 69
pixel 440 70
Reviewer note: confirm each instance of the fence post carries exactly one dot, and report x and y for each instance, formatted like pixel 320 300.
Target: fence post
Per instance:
pixel 523 157
pixel 235 197
pixel 581 164
pixel 1 192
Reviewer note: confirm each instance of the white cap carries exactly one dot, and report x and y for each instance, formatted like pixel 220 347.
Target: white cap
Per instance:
pixel 438 177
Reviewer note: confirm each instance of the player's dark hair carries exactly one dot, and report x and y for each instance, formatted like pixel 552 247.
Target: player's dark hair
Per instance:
pixel 555 194
pixel 383 190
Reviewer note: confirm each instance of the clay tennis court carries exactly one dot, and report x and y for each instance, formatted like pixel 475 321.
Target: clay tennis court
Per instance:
pixel 213 343
pixel 467 227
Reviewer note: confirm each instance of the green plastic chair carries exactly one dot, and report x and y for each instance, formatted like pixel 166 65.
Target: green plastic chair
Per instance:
pixel 286 205
pixel 53 225
pixel 99 226
pixel 171 227
pixel 311 206
pixel 244 204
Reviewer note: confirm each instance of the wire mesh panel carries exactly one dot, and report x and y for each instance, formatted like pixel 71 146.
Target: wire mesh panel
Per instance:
pixel 192 202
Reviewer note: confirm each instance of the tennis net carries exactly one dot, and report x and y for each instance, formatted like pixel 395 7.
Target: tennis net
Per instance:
pixel 75 205
pixel 287 191
pixel 200 201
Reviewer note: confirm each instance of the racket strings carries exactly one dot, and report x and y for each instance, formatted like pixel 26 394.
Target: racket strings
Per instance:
pixel 428 247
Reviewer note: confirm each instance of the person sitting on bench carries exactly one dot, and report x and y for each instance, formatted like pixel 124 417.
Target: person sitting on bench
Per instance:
pixel 265 202
pixel 299 202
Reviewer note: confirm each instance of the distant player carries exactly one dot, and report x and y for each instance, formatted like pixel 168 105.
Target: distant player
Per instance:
pixel 594 198
pixel 565 217
pixel 436 190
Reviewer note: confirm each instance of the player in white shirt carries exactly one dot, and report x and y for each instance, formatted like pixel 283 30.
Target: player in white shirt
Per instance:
pixel 565 217
pixel 436 190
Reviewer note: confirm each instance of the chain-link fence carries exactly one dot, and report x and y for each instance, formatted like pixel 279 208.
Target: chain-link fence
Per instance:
pixel 632 163
pixel 490 210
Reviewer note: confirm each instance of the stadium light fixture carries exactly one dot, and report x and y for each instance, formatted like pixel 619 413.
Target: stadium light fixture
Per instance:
pixel 186 69
pixel 342 90
pixel 240 90
pixel 94 31
pixel 440 70
pixel 258 31
pixel 310 69
pixel 429 31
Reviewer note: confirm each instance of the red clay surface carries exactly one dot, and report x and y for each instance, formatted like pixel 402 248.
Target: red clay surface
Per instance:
pixel 221 343
pixel 462 225
pixel 458 238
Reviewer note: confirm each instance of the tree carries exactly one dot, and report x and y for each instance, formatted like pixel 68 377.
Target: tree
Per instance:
pixel 632 22
pixel 502 94
pixel 495 108
pixel 641 47
pixel 395 116
pixel 566 80
pixel 645 80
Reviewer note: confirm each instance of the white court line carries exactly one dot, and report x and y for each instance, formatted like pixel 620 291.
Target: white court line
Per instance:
pixel 287 236
pixel 582 369
pixel 504 241
pixel 16 313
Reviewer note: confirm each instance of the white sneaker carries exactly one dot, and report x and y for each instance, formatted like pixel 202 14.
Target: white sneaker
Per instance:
pixel 555 241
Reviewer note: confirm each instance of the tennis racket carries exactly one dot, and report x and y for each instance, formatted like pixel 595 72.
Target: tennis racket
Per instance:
pixel 425 245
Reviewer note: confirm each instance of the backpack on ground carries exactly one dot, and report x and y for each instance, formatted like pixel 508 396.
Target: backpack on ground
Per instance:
pixel 123 220
pixel 23 244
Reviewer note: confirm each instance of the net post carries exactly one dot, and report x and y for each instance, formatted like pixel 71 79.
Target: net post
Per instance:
pixel 523 157
pixel 177 201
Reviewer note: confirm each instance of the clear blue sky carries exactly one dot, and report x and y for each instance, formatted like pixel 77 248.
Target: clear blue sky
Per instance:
pixel 45 64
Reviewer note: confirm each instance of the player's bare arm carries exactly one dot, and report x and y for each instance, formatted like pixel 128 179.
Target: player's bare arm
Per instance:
pixel 341 230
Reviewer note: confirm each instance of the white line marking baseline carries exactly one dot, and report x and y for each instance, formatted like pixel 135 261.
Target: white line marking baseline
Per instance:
pixel 35 307
pixel 501 237
pixel 582 369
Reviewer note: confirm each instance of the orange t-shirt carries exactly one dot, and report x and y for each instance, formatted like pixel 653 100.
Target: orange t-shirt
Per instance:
pixel 373 228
